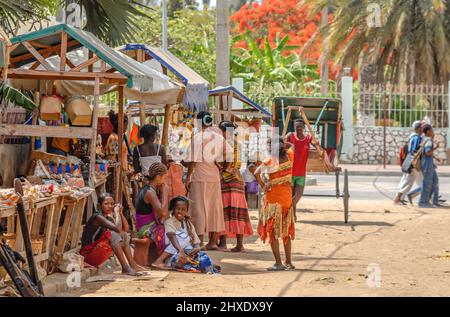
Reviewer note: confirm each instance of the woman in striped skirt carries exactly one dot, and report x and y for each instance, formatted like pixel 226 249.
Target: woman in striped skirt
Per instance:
pixel 237 220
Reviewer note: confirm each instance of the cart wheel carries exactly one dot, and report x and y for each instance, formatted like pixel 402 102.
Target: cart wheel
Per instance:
pixel 346 196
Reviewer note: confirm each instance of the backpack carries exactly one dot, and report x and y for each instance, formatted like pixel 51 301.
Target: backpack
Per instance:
pixel 403 153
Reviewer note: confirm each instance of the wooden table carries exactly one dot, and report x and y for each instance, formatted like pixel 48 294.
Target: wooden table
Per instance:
pixel 69 233
pixel 40 216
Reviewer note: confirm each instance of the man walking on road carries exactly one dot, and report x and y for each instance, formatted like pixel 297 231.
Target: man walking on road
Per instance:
pixel 414 175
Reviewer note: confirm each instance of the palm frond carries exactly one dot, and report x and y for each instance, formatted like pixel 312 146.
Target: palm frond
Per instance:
pixel 16 97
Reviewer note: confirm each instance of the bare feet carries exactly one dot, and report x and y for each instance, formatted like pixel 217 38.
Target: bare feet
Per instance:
pixel 131 272
pixel 159 267
pixel 212 247
pixel 139 268
pixel 222 246
pixel 238 248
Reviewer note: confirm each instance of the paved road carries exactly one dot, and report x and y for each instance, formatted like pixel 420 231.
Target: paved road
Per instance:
pixel 368 187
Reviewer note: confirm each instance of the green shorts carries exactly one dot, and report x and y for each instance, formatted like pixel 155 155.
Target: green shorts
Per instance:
pixel 298 181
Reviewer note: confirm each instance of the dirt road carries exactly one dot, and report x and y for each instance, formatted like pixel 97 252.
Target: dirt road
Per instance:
pixel 409 247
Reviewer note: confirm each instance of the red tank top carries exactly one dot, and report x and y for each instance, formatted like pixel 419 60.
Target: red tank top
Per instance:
pixel 301 151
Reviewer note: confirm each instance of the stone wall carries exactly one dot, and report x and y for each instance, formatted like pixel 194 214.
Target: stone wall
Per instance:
pixel 368 144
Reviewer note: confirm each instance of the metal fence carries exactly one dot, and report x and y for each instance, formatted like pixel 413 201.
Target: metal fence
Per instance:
pixel 400 106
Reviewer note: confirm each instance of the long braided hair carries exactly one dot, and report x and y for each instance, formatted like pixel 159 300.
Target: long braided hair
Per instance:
pixel 173 204
pixel 156 169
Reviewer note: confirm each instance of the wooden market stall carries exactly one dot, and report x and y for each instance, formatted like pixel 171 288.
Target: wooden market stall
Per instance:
pixel 70 62
pixel 223 109
pixel 195 96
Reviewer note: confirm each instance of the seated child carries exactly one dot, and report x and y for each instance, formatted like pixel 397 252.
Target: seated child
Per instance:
pixel 107 232
pixel 183 251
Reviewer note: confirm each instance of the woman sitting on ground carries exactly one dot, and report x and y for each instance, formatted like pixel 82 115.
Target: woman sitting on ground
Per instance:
pixel 107 232
pixel 183 250
pixel 152 206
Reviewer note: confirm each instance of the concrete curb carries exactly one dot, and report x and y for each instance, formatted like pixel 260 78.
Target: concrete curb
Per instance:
pixel 385 173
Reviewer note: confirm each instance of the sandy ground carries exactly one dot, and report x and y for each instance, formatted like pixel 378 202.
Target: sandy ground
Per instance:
pixel 410 246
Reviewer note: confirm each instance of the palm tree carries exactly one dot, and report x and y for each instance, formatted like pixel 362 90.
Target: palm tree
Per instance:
pixel 411 45
pixel 13 13
pixel 114 23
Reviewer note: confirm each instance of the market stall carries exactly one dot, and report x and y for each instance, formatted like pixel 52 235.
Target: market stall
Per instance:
pixel 57 64
pixel 195 97
pixel 225 108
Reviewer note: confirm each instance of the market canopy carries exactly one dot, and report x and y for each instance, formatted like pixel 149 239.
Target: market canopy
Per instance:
pixel 196 91
pixel 72 58
pixel 236 94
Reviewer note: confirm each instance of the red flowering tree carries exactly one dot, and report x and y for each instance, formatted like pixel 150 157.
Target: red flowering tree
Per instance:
pixel 283 17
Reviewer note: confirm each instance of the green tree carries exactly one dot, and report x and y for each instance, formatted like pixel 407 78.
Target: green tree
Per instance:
pixel 113 21
pixel 13 13
pixel 191 37
pixel 272 71
pixel 411 43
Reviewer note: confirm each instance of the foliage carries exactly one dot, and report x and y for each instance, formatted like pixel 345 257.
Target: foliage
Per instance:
pixel 267 64
pixel 191 37
pixel 13 95
pixel 284 17
pixel 269 72
pixel 14 13
pixel 411 44
pixel 115 23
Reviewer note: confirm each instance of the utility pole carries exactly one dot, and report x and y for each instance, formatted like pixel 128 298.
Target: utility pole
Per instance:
pixel 222 43
pixel 164 25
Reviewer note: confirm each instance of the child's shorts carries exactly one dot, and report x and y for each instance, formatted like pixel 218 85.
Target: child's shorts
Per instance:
pixel 298 180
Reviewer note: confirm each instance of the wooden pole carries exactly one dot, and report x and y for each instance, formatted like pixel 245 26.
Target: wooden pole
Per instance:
pixel 119 184
pixel 167 119
pixel 94 131
pixel 142 115
pixel 93 149
pixel 62 65
pixel 229 105
pixel 37 98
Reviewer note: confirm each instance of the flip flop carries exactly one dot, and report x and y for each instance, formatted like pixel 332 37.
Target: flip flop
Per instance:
pixel 275 267
pixel 236 250
pixel 289 267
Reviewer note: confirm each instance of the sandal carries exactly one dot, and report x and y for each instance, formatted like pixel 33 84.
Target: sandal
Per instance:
pixel 276 267
pixel 289 267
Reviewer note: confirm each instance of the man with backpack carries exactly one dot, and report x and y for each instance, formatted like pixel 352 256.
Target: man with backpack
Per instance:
pixel 410 174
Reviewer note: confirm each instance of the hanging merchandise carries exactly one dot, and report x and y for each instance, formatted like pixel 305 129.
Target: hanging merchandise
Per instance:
pixel 79 111
pixel 134 135
pixel 50 108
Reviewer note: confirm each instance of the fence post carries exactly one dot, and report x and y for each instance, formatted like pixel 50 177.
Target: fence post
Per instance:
pixel 347 116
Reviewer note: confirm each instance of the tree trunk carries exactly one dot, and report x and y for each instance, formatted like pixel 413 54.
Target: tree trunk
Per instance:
pixel 223 44
pixel 366 101
pixel 324 71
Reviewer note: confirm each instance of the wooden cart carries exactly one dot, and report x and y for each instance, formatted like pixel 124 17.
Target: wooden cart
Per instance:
pixel 322 118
